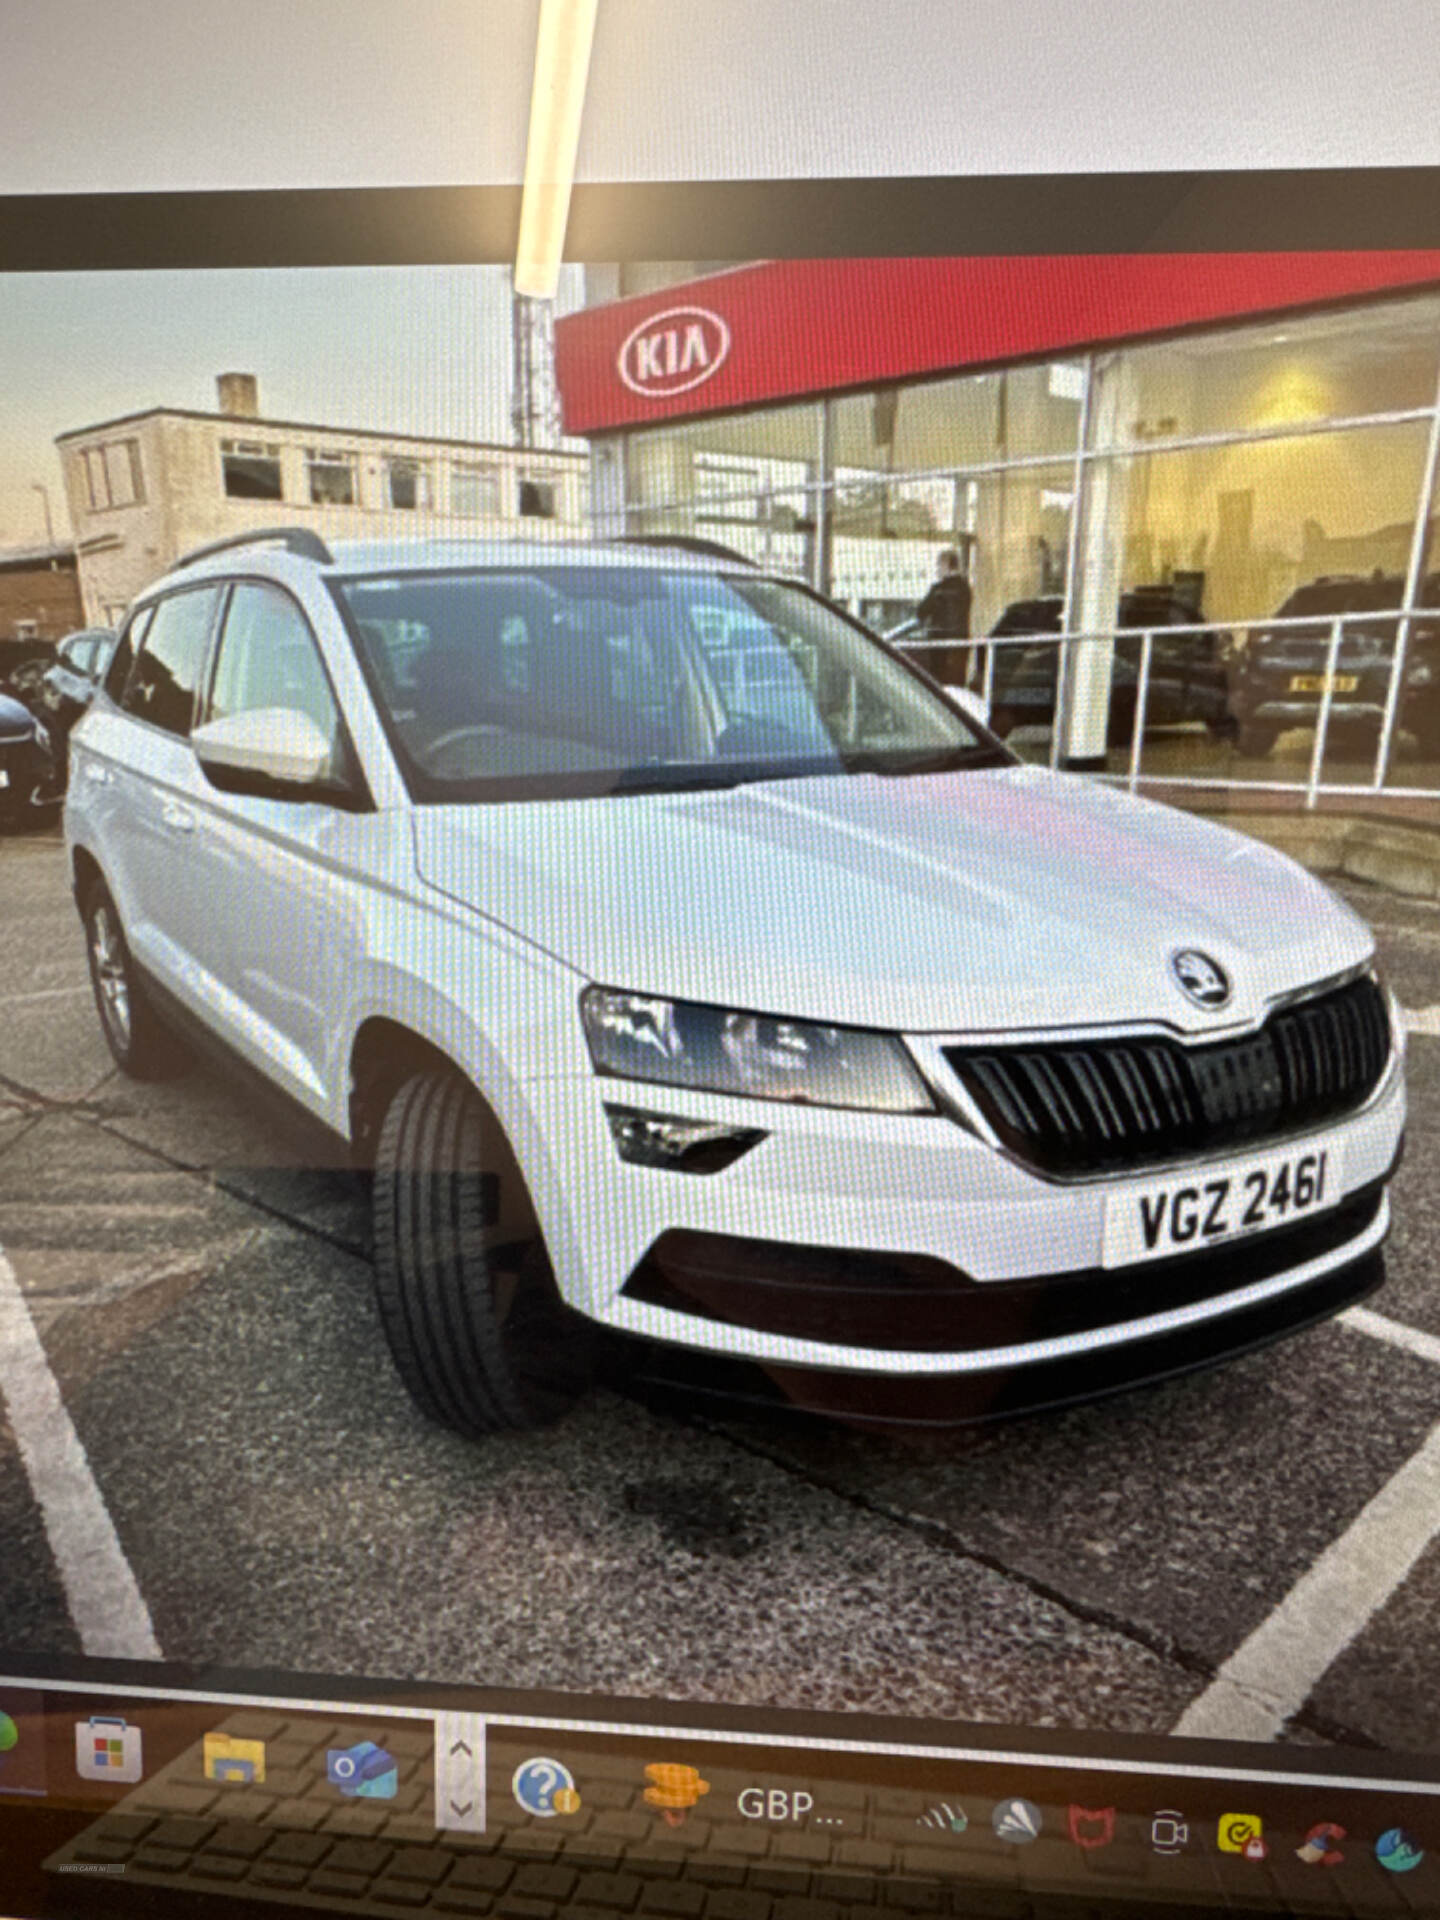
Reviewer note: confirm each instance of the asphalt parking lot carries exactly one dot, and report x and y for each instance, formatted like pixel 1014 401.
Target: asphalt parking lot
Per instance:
pixel 204 1455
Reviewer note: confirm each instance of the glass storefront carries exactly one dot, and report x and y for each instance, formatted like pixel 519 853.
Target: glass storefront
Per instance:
pixel 1207 479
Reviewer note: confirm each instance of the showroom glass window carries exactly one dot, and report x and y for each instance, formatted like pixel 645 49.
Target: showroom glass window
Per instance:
pixel 170 660
pixel 1279 498
pixel 753 482
pixel 982 463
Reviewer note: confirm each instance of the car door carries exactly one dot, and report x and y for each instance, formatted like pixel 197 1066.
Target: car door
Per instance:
pixel 141 761
pixel 280 914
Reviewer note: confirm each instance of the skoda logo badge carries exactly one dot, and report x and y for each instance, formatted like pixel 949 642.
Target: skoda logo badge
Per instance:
pixel 1200 978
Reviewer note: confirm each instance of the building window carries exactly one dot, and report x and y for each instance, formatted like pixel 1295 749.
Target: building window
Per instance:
pixel 113 475
pixel 409 484
pixel 537 497
pixel 251 470
pixel 332 478
pixel 27 629
pixel 475 492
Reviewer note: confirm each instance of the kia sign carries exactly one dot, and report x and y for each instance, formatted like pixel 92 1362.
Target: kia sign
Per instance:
pixel 672 352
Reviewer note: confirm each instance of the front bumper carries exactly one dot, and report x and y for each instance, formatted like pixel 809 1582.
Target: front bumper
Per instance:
pixel 865 1244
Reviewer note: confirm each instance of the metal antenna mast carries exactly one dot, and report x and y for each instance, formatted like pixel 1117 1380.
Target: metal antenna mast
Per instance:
pixel 534 401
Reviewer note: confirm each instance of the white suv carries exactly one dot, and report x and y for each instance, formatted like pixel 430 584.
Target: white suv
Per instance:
pixel 689 967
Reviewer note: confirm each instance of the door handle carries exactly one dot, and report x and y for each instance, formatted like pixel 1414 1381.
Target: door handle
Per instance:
pixel 179 819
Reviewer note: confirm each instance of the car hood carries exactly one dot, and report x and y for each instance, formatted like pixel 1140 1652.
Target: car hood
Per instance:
pixel 956 902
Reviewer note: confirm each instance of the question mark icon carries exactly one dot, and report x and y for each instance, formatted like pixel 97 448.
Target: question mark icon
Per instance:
pixel 535 1783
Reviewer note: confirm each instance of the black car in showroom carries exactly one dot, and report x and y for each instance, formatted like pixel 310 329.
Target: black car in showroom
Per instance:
pixel 1189 672
pixel 1280 677
pixel 27 764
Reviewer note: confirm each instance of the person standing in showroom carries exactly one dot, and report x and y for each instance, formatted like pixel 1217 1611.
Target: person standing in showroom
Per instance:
pixel 944 614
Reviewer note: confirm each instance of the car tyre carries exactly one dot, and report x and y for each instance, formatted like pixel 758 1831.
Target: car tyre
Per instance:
pixel 476 1325
pixel 139 1042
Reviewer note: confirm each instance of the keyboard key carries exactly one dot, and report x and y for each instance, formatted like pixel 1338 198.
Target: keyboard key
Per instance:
pixel 453 1899
pixel 348 1885
pixel 484 1874
pixel 545 1883
pixel 358 1819
pixel 299 1849
pixel 275 1873
pixel 914 1897
pixel 400 1893
pixel 172 1796
pixel 737 1903
pixel 429 1865
pixel 858 1888
pixel 161 1860
pixel 240 1841
pixel 123 1829
pixel 673 1897
pixel 802 1846
pixel 805 1908
pixel 714 1873
pixel 869 1856
pixel 103 1853
pixel 217 1866
pixel 359 1856
pixel 618 1891
pixel 524 1906
pixel 778 1880
pixel 186 1835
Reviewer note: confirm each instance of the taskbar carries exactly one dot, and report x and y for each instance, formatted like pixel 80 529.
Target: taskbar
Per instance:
pixel 135 1788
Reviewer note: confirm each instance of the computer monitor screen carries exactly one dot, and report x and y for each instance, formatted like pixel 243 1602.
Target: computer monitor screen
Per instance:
pixel 707 997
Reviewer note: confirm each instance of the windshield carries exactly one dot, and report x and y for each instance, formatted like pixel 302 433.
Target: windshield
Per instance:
pixel 523 683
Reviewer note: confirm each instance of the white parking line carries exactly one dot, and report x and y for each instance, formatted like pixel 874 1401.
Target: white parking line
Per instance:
pixel 1271 1675
pixel 105 1602
pixel 1422 1020
pixel 1425 1346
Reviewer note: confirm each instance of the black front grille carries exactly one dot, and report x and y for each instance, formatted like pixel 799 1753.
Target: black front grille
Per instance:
pixel 1096 1106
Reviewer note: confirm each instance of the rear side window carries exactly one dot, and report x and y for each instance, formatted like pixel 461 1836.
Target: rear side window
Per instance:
pixel 124 656
pixel 170 661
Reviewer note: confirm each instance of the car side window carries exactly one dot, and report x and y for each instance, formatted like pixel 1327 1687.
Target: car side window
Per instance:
pixel 170 661
pixel 123 658
pixel 268 658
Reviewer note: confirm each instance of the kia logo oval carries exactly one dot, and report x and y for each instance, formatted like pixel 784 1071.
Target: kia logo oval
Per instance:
pixel 672 352
pixel 1200 978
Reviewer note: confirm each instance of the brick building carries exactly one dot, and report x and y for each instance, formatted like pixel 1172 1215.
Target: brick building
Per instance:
pixel 39 593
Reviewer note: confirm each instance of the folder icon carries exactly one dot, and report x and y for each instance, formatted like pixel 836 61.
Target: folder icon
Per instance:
pixel 229 1759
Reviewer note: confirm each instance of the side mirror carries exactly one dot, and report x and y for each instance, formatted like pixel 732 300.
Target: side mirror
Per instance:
pixel 277 746
pixel 974 704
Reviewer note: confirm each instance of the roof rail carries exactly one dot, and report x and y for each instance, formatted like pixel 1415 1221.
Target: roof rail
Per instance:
pixel 301 540
pixel 684 543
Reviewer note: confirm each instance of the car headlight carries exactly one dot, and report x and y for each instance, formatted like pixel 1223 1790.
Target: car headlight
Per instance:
pixel 680 1043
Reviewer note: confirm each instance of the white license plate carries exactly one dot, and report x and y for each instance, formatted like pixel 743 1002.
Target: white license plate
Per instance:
pixel 1201 1209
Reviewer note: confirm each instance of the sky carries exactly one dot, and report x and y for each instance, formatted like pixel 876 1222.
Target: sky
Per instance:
pixel 402 349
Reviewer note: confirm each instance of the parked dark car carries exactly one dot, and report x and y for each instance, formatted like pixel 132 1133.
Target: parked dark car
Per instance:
pixel 22 663
pixel 27 764
pixel 1189 672
pixel 67 686
pixel 1281 674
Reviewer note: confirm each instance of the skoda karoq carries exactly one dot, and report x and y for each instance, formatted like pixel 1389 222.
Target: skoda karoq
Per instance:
pixel 700 982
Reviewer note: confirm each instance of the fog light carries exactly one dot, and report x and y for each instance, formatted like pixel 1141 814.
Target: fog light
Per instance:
pixel 684 1146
